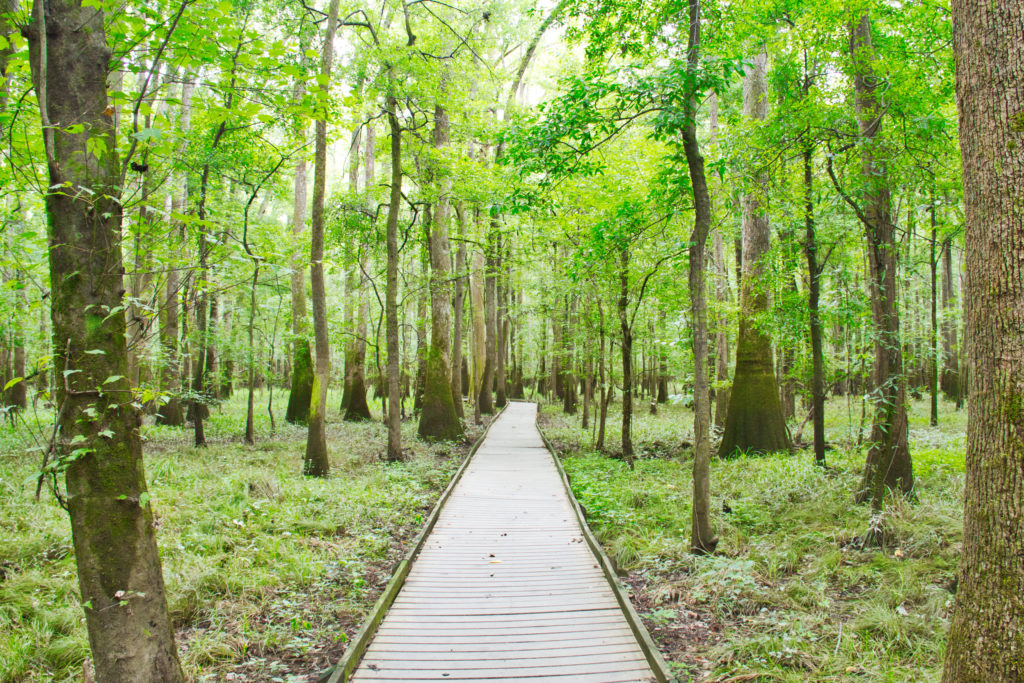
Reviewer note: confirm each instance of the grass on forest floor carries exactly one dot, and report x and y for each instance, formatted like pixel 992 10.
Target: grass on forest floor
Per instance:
pixel 788 596
pixel 268 572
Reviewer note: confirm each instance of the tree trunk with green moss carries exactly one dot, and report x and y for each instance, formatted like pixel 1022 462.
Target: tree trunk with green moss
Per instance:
pixel 98 445
pixel 754 421
pixel 439 419
pixel 986 637
pixel 315 462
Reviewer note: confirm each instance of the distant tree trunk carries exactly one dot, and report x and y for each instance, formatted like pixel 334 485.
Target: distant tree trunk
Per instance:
pixel 888 463
pixel 755 420
pixel 569 360
pixel 394 415
pixel 301 391
pixel 814 273
pixel 479 337
pixel 702 535
pixel 933 335
pixel 316 462
pixel 491 323
pixel 501 325
pixel 986 636
pixel 120 582
pixel 459 306
pixel 439 419
pixel 605 394
pixel 721 333
pixel 952 385
pixel 627 357
pixel 353 280
pixel 170 413
pixel 358 408
pixel 421 323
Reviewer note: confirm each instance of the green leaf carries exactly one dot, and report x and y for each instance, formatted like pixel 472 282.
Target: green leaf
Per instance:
pixel 95 352
pixel 113 378
pixel 13 382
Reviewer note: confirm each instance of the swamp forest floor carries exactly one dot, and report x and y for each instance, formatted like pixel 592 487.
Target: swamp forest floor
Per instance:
pixel 269 573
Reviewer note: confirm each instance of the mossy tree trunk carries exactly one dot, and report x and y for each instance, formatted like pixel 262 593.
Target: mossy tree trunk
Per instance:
pixel 888 465
pixel 459 305
pixel 479 330
pixel 301 391
pixel 439 419
pixel 357 408
pixel 754 421
pixel 315 462
pixel 986 637
pixel 99 447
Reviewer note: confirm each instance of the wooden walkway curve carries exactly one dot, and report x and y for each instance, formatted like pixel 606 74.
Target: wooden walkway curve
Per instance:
pixel 505 586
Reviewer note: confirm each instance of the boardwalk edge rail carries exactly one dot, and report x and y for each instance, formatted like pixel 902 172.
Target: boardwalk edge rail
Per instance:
pixel 342 672
pixel 643 637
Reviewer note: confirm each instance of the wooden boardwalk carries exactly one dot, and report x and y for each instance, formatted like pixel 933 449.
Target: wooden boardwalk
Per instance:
pixel 505 587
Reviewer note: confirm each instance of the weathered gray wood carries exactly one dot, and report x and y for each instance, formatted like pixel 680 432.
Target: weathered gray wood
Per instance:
pixel 506 586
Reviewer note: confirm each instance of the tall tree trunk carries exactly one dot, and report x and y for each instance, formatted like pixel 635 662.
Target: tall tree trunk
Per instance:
pixel 358 408
pixel 814 273
pixel 439 419
pixel 986 637
pixel 702 535
pixel 501 326
pixel 394 415
pixel 459 305
pixel 350 305
pixel 479 337
pixel 486 400
pixel 316 462
pixel 952 384
pixel 933 334
pixel 112 527
pixel 301 392
pixel 627 357
pixel 755 420
pixel 888 463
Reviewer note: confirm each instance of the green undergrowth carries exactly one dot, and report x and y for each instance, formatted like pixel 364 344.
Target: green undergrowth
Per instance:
pixel 268 572
pixel 789 595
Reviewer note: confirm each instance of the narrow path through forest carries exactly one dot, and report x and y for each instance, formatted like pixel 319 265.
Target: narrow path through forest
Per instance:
pixel 506 587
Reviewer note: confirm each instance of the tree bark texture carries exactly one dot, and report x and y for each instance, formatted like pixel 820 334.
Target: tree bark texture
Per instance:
pixel 357 409
pixel 486 400
pixel 755 421
pixel 459 305
pixel 301 391
pixel 98 445
pixel 986 638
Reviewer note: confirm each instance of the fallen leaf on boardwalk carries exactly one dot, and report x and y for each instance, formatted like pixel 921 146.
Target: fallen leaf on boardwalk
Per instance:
pixel 495 562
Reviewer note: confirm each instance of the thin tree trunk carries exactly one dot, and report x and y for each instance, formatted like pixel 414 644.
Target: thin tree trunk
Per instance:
pixel 702 535
pixel 358 408
pixel 316 462
pixel 479 338
pixel 952 383
pixel 986 637
pixel 301 391
pixel 491 322
pixel 814 273
pixel 627 358
pixel 120 582
pixel 933 335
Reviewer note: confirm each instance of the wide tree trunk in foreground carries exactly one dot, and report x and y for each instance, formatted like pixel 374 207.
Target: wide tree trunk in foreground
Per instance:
pixel 316 462
pixel 439 420
pixel 112 526
pixel 888 463
pixel 754 421
pixel 986 638
pixel 486 400
pixel 702 534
